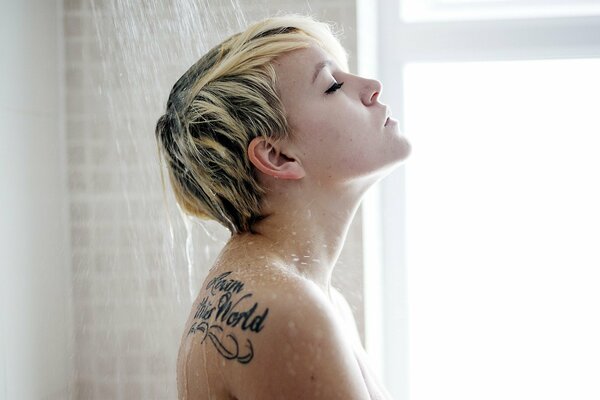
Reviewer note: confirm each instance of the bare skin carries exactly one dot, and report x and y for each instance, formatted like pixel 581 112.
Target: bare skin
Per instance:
pixel 282 331
pixel 215 360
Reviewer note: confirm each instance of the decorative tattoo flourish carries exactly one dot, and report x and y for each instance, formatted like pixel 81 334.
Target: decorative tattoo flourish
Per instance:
pixel 227 312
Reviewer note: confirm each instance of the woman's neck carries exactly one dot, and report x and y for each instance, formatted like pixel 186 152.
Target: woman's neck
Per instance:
pixel 308 240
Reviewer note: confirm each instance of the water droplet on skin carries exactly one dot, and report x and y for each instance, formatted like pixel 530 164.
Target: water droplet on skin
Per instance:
pixel 292 329
pixel 290 368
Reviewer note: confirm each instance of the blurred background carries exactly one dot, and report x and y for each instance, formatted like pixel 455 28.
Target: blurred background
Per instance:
pixel 472 270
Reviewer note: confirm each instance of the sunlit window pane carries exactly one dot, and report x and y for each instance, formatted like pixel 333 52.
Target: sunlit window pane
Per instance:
pixel 503 230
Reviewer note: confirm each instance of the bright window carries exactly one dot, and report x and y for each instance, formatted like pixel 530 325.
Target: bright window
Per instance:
pixel 503 229
pixel 489 235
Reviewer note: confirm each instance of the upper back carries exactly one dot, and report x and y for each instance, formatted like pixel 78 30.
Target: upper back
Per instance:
pixel 258 331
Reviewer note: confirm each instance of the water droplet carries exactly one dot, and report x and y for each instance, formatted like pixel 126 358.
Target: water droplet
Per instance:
pixel 292 329
pixel 290 368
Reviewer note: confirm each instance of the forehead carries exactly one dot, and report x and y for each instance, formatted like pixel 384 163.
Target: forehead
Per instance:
pixel 298 66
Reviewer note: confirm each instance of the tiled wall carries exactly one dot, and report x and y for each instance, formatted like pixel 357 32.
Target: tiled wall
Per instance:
pixel 134 281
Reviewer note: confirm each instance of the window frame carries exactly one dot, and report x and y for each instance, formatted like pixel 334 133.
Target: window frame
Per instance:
pixel 461 10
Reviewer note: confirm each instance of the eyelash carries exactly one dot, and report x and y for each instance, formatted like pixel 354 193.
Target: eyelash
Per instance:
pixel 334 87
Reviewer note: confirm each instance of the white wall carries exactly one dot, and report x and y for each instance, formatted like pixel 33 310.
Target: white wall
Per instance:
pixel 35 280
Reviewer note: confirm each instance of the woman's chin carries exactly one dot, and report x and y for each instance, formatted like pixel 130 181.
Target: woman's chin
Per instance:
pixel 399 151
pixel 407 149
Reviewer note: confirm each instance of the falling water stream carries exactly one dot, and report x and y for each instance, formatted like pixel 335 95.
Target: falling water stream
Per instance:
pixel 143 49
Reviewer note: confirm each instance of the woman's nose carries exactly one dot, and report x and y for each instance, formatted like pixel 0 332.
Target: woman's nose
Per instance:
pixel 371 92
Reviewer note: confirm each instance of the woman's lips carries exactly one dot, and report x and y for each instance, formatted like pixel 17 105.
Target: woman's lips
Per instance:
pixel 388 114
pixel 390 121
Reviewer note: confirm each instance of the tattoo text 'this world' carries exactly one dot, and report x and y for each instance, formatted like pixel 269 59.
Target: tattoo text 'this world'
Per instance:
pixel 229 311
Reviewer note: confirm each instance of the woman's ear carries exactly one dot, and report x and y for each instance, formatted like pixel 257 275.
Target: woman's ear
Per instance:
pixel 269 159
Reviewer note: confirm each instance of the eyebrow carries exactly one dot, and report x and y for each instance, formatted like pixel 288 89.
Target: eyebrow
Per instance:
pixel 319 67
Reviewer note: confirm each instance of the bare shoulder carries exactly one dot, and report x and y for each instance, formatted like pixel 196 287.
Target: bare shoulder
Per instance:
pixel 348 316
pixel 281 338
pixel 342 304
pixel 302 351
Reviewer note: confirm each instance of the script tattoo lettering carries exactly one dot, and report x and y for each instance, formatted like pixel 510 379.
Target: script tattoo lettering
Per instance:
pixel 229 311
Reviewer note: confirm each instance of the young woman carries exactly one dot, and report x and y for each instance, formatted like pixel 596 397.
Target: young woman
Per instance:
pixel 270 135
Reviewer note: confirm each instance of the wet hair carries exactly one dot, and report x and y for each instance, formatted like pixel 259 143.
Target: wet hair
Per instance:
pixel 221 103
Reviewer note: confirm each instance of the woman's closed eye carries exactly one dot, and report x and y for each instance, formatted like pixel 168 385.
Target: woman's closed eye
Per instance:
pixel 334 87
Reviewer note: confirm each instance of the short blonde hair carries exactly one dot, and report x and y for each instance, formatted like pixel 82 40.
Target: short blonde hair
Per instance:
pixel 226 99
